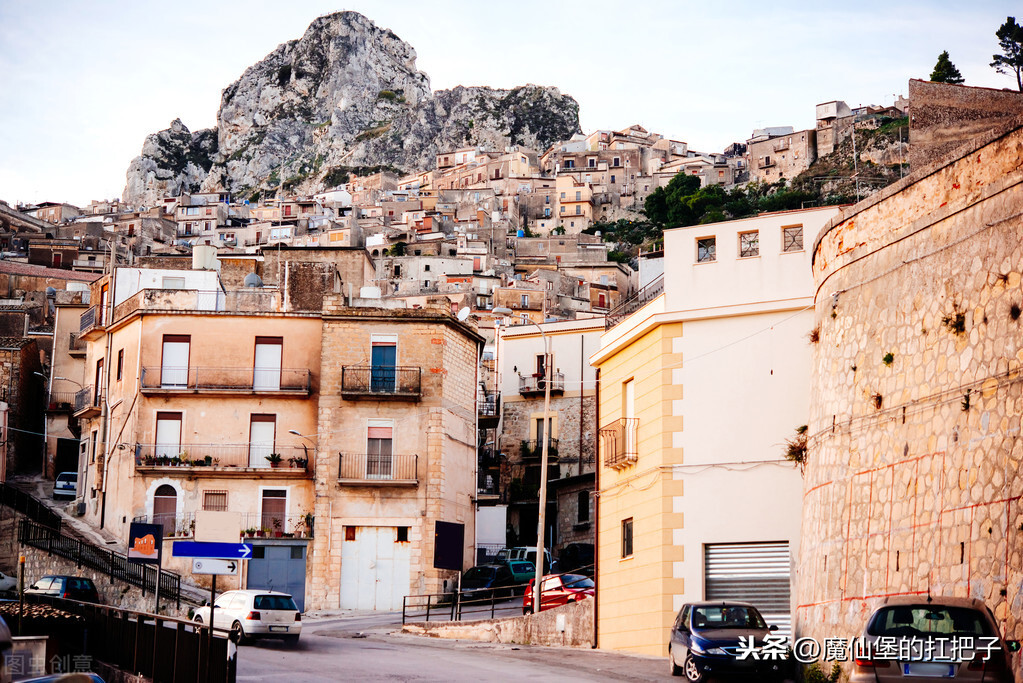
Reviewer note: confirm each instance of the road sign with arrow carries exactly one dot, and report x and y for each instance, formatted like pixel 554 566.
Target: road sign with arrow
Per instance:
pixel 213 566
pixel 223 551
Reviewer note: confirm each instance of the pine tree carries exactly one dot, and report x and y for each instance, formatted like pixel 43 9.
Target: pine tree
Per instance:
pixel 945 71
pixel 1010 39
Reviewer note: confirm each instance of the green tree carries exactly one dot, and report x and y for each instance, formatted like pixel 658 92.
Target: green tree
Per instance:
pixel 1010 39
pixel 945 71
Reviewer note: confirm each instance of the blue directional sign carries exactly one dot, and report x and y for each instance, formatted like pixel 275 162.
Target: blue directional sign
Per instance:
pixel 213 551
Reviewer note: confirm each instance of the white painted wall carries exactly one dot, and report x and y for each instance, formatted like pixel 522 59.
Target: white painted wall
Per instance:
pixel 772 276
pixel 129 281
pixel 519 345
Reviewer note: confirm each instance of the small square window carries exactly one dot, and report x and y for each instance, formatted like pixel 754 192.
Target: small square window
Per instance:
pixel 627 537
pixel 403 534
pixel 214 500
pixel 749 244
pixel 296 552
pixel 349 533
pixel 706 250
pixel 792 238
pixel 258 552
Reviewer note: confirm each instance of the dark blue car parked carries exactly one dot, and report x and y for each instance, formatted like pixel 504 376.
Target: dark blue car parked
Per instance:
pixel 705 641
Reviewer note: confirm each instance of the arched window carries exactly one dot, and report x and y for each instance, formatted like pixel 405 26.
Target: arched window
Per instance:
pixel 165 508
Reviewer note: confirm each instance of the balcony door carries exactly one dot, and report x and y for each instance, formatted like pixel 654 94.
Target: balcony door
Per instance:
pixel 174 363
pixel 262 432
pixel 379 463
pixel 168 435
pixel 383 359
pixel 267 370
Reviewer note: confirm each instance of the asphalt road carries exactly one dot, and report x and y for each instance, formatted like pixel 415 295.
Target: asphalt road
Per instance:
pixel 370 647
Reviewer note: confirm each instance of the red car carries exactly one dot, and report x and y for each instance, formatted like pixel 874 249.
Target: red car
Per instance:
pixel 558 589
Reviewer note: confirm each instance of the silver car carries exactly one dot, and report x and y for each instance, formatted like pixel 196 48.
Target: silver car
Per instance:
pixel 255 614
pixel 925 638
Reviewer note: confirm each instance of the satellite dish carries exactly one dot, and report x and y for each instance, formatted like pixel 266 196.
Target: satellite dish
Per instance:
pixel 464 313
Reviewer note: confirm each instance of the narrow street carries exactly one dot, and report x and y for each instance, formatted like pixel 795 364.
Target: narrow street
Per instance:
pixel 370 647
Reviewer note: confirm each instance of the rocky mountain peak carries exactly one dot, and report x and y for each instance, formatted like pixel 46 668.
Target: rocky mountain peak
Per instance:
pixel 346 95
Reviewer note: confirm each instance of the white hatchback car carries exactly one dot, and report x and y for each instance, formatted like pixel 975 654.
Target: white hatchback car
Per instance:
pixel 66 484
pixel 255 614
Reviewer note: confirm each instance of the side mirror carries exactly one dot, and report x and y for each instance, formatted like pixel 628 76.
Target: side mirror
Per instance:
pixel 772 627
pixel 1012 645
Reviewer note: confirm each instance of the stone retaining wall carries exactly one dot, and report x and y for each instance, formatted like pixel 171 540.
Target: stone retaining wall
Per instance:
pixel 566 626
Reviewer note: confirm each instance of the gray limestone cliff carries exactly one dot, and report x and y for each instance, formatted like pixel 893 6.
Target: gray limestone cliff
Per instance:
pixel 345 97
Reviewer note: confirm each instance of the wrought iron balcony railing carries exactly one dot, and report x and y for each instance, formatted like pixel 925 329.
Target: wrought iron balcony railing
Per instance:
pixel 532 384
pixel 87 402
pixel 618 442
pixel 381 382
pixel 650 291
pixel 223 457
pixel 195 379
pixel 533 449
pixel 378 469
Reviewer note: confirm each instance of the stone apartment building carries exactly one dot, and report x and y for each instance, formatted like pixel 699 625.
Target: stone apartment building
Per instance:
pixel 521 378
pixel 780 153
pixel 339 433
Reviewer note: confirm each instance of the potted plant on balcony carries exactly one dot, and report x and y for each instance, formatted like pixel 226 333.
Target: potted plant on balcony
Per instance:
pixel 148 460
pixel 299 462
pixel 309 524
pixel 274 459
pixel 277 527
pixel 208 460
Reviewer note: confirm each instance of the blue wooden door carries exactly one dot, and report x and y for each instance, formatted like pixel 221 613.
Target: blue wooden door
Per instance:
pixel 383 374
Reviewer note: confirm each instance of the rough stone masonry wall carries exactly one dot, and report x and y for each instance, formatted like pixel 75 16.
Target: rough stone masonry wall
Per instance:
pixel 913 482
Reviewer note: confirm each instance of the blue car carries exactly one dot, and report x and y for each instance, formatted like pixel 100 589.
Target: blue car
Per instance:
pixel 705 642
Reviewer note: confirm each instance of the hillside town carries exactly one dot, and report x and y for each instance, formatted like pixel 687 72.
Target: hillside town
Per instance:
pixel 809 407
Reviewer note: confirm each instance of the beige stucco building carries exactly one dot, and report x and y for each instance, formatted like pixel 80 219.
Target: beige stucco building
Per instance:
pixel 698 390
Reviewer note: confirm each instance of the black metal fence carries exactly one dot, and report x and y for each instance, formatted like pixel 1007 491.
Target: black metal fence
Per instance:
pixel 29 506
pixel 651 291
pixel 164 649
pixel 381 381
pixel 115 565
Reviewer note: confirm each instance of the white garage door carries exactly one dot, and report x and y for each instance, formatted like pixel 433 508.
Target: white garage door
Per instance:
pixel 758 573
pixel 375 567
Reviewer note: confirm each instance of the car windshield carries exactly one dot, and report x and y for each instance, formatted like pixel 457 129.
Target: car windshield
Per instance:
pixel 725 616
pixel 576 581
pixel 274 602
pixel 478 574
pixel 922 620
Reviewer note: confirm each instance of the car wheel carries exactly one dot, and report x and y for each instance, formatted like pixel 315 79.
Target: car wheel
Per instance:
pixel 692 671
pixel 527 610
pixel 674 668
pixel 237 626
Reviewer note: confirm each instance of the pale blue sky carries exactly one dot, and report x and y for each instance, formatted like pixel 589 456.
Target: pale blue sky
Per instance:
pixel 82 84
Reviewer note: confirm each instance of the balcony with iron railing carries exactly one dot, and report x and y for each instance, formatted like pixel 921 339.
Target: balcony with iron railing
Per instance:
pixel 533 385
pixel 381 382
pixel 619 442
pixel 780 146
pixel 487 485
pixel 244 380
pixel 87 403
pixel 76 346
pixel 489 456
pixel 488 407
pixel 58 401
pixel 650 291
pixel 532 449
pixel 89 325
pixel 223 459
pixel 375 469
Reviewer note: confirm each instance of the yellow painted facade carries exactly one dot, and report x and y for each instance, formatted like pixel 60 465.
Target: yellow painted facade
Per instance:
pixel 634 599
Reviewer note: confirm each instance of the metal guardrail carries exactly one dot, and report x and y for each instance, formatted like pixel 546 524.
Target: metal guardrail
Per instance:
pixel 651 291
pixel 381 381
pixel 533 448
pixel 488 404
pixel 163 649
pixel 115 565
pixel 28 505
pixel 223 379
pixel 369 468
pixel 60 400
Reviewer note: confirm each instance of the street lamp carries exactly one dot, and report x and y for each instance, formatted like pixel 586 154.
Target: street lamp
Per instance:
pixel 307 437
pixel 542 513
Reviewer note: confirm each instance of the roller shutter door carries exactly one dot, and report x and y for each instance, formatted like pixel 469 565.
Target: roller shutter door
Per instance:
pixel 757 573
